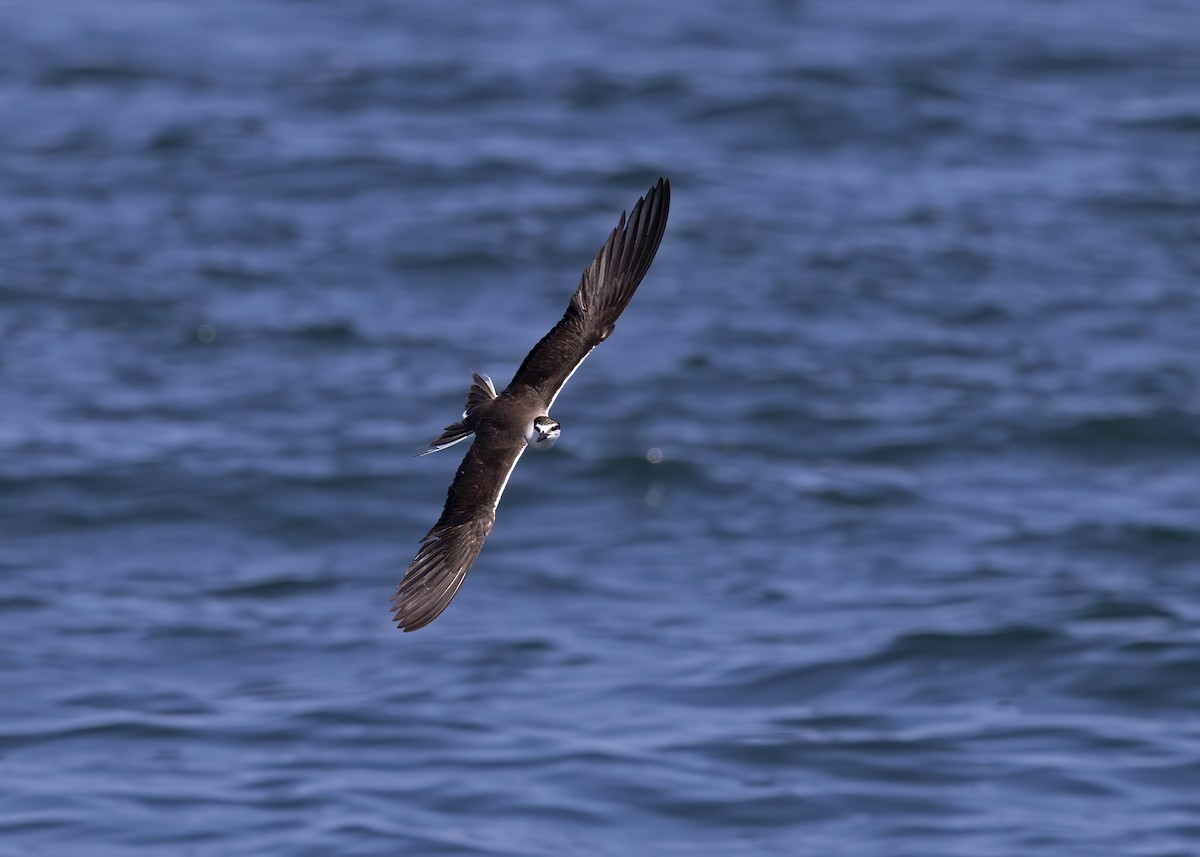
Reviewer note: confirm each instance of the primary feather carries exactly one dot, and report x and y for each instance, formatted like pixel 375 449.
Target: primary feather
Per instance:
pixel 502 423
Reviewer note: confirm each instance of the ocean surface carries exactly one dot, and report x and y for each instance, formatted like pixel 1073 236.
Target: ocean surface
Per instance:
pixel 874 529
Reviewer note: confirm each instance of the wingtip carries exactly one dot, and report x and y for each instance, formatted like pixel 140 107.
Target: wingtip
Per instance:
pixel 663 190
pixel 656 200
pixel 401 616
pixel 407 624
pixel 402 622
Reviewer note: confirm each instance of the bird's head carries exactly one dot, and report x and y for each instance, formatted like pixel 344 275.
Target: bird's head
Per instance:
pixel 543 433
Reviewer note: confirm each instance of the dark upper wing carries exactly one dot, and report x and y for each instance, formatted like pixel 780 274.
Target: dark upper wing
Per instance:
pixel 450 548
pixel 605 290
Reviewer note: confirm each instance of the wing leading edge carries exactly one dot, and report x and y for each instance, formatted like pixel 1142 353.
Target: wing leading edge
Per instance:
pixel 604 291
pixel 450 548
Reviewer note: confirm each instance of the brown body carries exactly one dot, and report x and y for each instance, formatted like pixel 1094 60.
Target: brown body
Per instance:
pixel 504 425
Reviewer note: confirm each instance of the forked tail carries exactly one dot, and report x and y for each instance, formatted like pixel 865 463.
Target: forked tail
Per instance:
pixel 482 391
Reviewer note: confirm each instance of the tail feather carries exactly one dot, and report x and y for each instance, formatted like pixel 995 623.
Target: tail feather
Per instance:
pixel 451 435
pixel 482 391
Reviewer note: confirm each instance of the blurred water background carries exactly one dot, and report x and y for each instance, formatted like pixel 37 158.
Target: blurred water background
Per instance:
pixel 918 572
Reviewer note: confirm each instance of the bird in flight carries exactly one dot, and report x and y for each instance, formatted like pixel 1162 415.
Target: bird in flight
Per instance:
pixel 505 424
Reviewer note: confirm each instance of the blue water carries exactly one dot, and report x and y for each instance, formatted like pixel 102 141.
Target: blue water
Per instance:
pixel 918 572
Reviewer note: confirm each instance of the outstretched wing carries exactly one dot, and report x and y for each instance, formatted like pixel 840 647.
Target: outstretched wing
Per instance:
pixel 450 548
pixel 607 286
